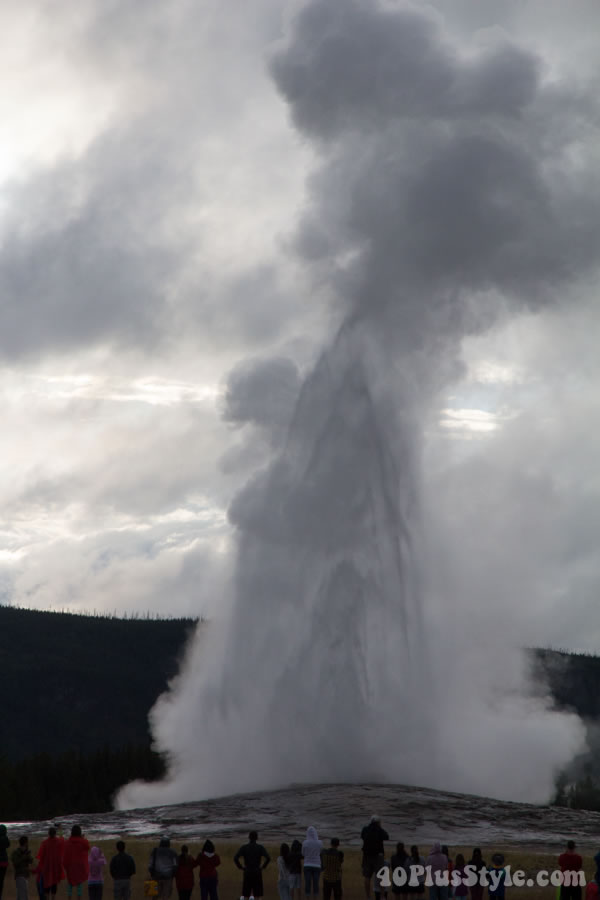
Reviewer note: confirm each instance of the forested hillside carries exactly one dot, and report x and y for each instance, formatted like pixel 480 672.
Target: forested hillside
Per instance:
pixel 76 692
pixel 73 682
pixel 574 683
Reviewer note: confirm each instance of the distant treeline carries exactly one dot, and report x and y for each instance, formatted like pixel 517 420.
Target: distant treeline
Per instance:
pixel 45 786
pixel 79 683
pixel 574 683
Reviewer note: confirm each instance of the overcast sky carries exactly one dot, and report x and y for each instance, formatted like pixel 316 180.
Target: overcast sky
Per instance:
pixel 158 317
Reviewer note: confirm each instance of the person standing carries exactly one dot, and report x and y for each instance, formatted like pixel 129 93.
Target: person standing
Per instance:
pixel 311 851
pixel 50 856
pixel 373 837
pixel 253 854
pixel 184 876
pixel 294 865
pixel 332 860
pixel 4 845
pixel 400 860
pixel 22 861
pixel 460 889
pixel 497 885
pixel 480 866
pixel 439 872
pixel 283 873
pixel 571 865
pixel 208 861
pixel 122 868
pixel 162 867
pixel 417 889
pixel 75 861
pixel 96 863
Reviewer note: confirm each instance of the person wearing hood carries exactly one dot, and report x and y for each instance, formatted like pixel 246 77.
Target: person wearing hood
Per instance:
pixel 439 871
pixel 373 851
pixel 50 868
pixel 208 861
pixel 4 845
pixel 162 867
pixel 96 863
pixel 75 861
pixel 311 851
pixel 22 861
pixel 184 876
pixel 253 854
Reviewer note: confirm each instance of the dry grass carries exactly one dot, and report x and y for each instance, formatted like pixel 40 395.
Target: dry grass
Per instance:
pixel 230 880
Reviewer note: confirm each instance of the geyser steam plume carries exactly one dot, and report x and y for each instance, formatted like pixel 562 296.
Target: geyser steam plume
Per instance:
pixel 451 185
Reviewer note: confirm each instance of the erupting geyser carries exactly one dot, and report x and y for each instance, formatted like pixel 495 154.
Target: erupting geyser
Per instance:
pixel 442 195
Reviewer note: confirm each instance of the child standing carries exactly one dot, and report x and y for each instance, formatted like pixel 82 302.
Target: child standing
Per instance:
pixel 332 860
pixel 22 861
pixel 497 887
pixel 96 863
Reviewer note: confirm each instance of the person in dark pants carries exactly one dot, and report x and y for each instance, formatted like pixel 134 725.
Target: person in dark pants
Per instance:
pixel 184 875
pixel 332 859
pixel 294 864
pixel 480 866
pixel 253 854
pixel 4 845
pixel 208 861
pixel 162 867
pixel 373 836
pixel 96 878
pixel 122 868
pixel 571 866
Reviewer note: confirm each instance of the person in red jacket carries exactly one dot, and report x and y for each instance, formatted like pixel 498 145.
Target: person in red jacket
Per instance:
pixel 208 861
pixel 184 874
pixel 571 865
pixel 50 868
pixel 75 861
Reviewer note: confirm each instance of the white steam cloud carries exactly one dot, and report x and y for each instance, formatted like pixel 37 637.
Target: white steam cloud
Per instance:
pixel 450 190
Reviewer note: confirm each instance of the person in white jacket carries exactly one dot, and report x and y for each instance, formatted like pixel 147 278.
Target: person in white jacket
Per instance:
pixel 311 851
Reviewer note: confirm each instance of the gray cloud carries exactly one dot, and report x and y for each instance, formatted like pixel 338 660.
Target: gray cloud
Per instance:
pixel 263 392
